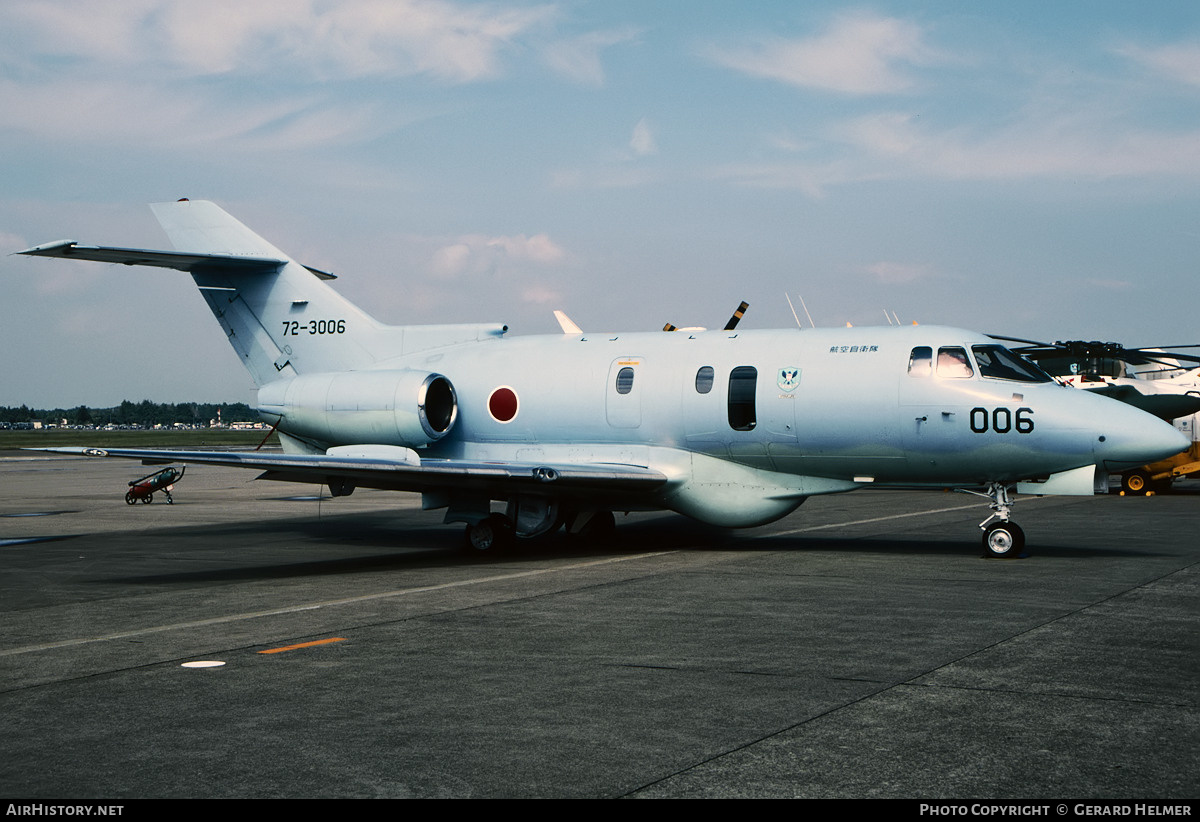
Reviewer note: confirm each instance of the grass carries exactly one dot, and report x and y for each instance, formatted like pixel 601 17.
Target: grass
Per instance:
pixel 51 438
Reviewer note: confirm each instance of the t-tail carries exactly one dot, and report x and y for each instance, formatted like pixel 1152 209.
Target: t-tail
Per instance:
pixel 281 317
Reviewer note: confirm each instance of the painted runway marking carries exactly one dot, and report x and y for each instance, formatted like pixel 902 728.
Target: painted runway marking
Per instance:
pixel 201 623
pixel 440 587
pixel 303 645
pixel 873 519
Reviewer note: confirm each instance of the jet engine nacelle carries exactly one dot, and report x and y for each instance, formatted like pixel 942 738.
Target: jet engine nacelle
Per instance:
pixel 398 407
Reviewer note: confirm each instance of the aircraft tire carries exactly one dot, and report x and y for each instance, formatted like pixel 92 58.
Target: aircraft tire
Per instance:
pixel 600 527
pixel 1135 482
pixel 489 536
pixel 1003 540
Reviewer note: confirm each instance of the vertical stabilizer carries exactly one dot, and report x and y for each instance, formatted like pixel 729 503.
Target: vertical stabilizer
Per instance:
pixel 280 317
pixel 282 320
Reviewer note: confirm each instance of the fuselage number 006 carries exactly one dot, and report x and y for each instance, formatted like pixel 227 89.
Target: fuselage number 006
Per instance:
pixel 294 328
pixel 1001 420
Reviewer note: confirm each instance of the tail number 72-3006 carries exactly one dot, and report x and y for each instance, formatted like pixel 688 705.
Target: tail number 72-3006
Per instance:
pixel 295 328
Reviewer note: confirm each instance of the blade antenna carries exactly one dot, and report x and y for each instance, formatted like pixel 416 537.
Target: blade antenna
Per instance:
pixel 789 299
pixel 737 316
pixel 804 305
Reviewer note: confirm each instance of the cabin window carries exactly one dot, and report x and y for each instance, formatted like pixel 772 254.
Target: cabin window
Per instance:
pixel 625 380
pixel 920 361
pixel 704 379
pixel 953 364
pixel 743 382
pixel 998 363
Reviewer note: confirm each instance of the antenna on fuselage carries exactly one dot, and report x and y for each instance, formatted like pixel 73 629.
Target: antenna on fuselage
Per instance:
pixel 737 316
pixel 567 325
pixel 789 299
pixel 804 305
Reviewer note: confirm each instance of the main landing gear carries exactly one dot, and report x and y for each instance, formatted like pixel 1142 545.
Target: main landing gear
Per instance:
pixel 1001 537
pixel 490 535
pixel 497 533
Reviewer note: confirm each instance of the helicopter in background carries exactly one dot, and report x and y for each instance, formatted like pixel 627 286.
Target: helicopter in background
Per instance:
pixel 1161 380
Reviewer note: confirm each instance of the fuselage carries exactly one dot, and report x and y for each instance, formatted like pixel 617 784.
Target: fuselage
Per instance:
pixel 803 412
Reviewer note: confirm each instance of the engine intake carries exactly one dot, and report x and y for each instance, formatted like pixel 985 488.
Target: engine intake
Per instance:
pixel 396 407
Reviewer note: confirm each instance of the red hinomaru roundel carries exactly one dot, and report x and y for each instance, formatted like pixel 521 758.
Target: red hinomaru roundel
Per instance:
pixel 503 404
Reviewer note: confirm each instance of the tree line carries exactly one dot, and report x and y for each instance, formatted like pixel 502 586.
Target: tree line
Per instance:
pixel 146 414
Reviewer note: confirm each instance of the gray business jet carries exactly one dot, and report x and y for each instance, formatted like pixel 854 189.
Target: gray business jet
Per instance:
pixel 732 428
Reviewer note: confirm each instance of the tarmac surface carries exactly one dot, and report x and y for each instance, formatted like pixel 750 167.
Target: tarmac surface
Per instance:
pixel 861 647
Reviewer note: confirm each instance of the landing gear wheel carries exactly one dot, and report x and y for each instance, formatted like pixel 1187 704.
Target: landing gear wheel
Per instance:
pixel 1134 482
pixel 1003 539
pixel 490 535
pixel 599 528
pixel 130 498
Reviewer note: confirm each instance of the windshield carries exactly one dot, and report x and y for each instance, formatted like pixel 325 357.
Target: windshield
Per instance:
pixel 998 363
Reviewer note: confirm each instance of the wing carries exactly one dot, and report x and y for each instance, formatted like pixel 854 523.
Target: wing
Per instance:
pixel 410 473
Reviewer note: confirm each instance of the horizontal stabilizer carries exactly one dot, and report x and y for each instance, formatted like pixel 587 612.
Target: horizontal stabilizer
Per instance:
pixel 180 261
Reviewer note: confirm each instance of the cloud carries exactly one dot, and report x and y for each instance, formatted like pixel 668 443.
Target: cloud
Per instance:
pixel 578 58
pixel 1087 145
pixel 1179 62
pixel 642 141
pixel 540 294
pixel 859 54
pixel 268 74
pixel 476 254
pixel 283 38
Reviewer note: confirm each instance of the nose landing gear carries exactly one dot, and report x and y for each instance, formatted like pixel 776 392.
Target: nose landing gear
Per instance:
pixel 1001 536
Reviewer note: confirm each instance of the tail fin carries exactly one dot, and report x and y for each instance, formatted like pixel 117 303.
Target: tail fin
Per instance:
pixel 281 322
pixel 279 316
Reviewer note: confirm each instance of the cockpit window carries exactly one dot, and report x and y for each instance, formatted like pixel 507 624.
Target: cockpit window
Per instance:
pixel 998 363
pixel 704 379
pixel 953 364
pixel 920 362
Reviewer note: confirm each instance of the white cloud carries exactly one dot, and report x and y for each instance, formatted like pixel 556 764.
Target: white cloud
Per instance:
pixel 896 145
pixel 476 254
pixel 579 57
pixel 860 54
pixel 540 294
pixel 1180 61
pixel 642 142
pixel 354 38
pixel 237 75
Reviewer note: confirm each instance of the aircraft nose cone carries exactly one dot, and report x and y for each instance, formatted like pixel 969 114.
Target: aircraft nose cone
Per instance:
pixel 1139 442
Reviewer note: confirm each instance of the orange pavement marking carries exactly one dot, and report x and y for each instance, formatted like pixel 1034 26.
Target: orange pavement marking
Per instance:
pixel 303 645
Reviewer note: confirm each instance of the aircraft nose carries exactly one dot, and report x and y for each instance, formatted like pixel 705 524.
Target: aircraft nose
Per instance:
pixel 1138 441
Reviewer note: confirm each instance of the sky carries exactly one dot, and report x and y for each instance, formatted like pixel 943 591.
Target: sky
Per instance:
pixel 1022 168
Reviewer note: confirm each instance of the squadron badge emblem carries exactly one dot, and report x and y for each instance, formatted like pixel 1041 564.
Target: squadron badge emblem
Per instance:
pixel 789 379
